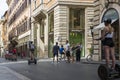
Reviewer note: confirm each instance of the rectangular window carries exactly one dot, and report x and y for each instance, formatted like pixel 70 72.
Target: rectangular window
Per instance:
pixel 42 30
pixel 51 21
pixel 77 19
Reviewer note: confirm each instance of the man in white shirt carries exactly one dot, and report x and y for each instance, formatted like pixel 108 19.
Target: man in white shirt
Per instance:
pixel 68 51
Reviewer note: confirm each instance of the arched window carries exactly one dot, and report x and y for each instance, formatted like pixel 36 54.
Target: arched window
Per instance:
pixel 110 13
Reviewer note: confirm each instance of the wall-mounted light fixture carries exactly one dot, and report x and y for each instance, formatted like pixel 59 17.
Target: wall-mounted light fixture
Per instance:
pixel 59 38
pixel 107 2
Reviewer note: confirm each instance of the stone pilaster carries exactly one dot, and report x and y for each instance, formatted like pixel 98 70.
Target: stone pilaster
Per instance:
pixel 89 14
pixel 98 10
pixel 32 32
pixel 46 36
pixel 61 24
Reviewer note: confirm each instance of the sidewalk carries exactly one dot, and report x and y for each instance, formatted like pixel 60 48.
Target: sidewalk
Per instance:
pixel 8 74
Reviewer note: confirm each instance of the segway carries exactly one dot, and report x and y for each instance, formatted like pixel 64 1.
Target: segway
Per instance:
pixel 32 58
pixel 32 61
pixel 106 73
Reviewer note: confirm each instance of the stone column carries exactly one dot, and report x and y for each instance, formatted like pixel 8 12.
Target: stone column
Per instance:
pixel 38 39
pixel 46 36
pixel 32 32
pixel 61 24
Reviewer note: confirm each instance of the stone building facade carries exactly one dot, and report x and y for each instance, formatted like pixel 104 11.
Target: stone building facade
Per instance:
pixel 46 22
pixel 19 25
pixel 1 37
pixel 60 20
pixel 3 34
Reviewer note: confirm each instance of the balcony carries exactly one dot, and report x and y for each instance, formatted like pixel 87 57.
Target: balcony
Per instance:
pixel 38 9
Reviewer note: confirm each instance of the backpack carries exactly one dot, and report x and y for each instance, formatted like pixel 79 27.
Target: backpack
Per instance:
pixel 32 46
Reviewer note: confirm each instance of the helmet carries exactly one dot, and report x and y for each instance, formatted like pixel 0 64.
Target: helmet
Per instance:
pixel 108 21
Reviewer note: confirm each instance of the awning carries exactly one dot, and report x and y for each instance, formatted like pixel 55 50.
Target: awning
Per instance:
pixel 101 25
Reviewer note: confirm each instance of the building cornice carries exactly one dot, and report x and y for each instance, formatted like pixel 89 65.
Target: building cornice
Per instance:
pixel 74 3
pixel 82 3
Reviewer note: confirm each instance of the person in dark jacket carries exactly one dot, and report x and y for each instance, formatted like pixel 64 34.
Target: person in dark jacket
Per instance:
pixel 78 52
pixel 55 51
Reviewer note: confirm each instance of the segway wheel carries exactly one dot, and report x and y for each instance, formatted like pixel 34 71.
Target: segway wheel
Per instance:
pixel 117 67
pixel 35 61
pixel 103 72
pixel 28 62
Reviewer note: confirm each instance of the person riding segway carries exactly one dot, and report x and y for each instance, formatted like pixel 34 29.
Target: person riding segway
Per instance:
pixel 107 71
pixel 32 49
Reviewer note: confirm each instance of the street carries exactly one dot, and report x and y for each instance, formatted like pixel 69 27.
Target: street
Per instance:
pixel 46 70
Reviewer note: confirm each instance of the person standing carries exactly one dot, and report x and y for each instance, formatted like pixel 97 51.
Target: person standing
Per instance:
pixel 78 52
pixel 108 43
pixel 55 51
pixel 7 52
pixel 68 51
pixel 14 54
pixel 62 52
pixel 14 51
